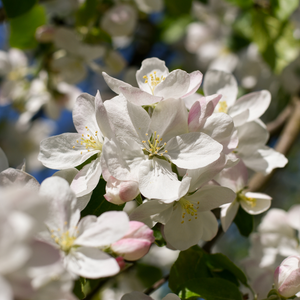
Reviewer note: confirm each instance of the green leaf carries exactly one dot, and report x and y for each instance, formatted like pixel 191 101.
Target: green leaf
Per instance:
pixel 190 264
pixel 244 222
pixel 210 289
pixel 15 8
pixel 245 4
pixel 178 7
pixel 219 262
pixel 159 240
pixel 86 13
pixel 282 9
pixel 22 28
pixel 78 288
pixel 148 274
pixel 98 204
pixel 174 29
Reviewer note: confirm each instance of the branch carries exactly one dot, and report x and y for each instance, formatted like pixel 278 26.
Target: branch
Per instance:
pixel 157 285
pixel 286 140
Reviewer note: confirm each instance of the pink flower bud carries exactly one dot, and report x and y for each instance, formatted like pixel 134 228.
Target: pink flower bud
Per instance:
pixel 136 243
pixel 121 262
pixel 119 192
pixel 287 277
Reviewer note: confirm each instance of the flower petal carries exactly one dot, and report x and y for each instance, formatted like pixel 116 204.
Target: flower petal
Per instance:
pixel 3 161
pixel 114 84
pixel 139 97
pixel 195 82
pixel 262 203
pixel 228 213
pixel 91 263
pixel 210 225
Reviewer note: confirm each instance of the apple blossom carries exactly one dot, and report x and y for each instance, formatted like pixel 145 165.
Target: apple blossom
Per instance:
pixel 80 240
pixel 156 83
pixel 147 147
pixel 70 150
pixel 135 243
pixel 287 277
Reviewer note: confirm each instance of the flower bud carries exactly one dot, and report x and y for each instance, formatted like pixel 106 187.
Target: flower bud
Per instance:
pixel 287 277
pixel 136 243
pixel 119 192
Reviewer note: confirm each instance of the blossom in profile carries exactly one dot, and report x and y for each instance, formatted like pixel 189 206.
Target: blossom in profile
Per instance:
pixel 156 83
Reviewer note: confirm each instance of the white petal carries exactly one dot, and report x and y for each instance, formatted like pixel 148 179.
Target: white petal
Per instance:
pixel 193 150
pixel 91 263
pixel 263 202
pixel 114 84
pixel 210 225
pixel 157 181
pixel 210 197
pixel 293 216
pixel 62 200
pixel 257 103
pixel 169 119
pixel 87 178
pixel 152 212
pixel 6 291
pixel 228 213
pixel 67 174
pixel 182 233
pixel 219 82
pixel 139 97
pixel 150 65
pixel 265 160
pixel 110 227
pixel 175 85
pixel 57 152
pixel 195 82
pixel 84 114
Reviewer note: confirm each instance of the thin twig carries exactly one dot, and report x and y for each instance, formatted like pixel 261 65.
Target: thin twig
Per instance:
pixel 286 140
pixel 156 285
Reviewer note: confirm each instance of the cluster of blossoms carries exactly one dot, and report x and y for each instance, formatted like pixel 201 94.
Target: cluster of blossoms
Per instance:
pixel 178 153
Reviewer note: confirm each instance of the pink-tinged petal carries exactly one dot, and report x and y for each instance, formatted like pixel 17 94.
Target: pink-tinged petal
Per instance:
pixel 3 161
pixel 195 82
pixel 16 177
pixel 139 97
pixel 210 225
pixel 261 203
pixel 91 263
pixel 87 178
pixel 84 114
pixel 228 213
pixel 175 85
pixel 169 119
pixel 62 203
pixel 219 82
pixel 149 66
pixel 201 110
pixel 157 181
pixel 110 227
pixel 257 103
pixel 114 84
pixel 210 197
pixel 190 100
pixel 57 152
pixel 152 212
pixel 193 150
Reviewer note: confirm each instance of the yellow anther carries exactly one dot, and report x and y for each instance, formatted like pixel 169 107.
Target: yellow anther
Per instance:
pixel 73 147
pixel 145 77
pixel 182 222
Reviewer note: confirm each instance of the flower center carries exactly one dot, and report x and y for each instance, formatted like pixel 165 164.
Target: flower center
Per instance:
pixel 223 107
pixel 90 141
pixel 189 210
pixel 242 197
pixel 154 81
pixel 63 239
pixel 154 146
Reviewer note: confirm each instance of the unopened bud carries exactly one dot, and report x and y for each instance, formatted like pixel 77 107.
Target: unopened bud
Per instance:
pixel 119 192
pixel 136 243
pixel 287 277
